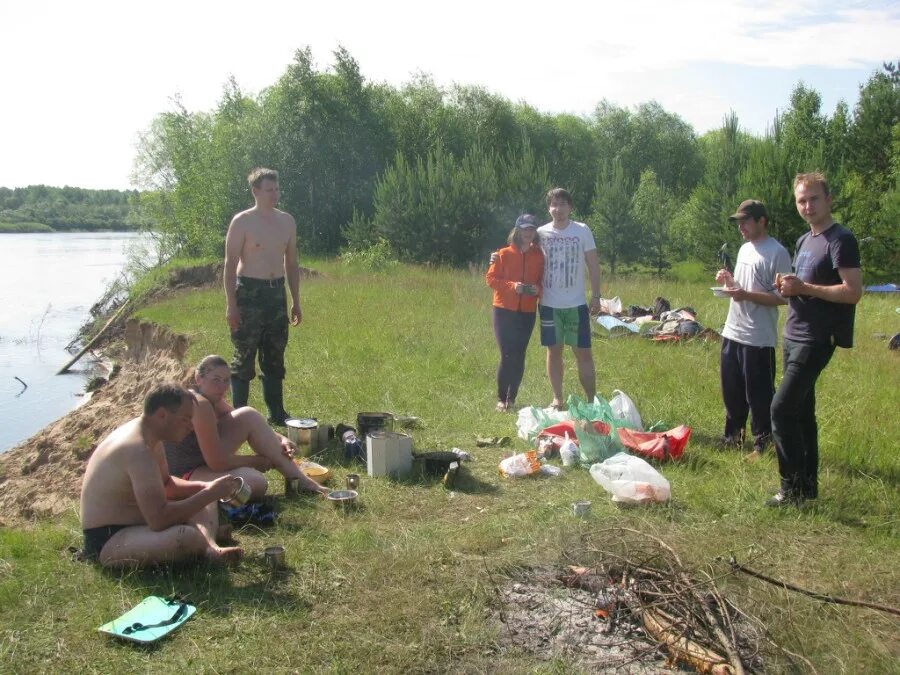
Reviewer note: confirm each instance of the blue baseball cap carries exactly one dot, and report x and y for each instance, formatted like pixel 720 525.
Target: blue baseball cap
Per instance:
pixel 526 220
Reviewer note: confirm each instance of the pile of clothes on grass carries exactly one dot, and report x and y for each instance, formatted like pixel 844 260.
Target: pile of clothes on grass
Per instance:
pixel 659 322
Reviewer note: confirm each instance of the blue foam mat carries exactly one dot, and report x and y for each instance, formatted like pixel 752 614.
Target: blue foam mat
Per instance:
pixel 139 624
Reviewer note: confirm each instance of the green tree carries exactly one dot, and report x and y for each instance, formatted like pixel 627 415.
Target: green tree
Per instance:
pixel 701 225
pixel 611 220
pixel 651 208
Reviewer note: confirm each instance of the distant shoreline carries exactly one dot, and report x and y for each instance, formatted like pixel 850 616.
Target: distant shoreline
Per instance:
pixel 40 228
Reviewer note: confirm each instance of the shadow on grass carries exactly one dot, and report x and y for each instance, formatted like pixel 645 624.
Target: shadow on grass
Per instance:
pixel 216 589
pixel 889 475
pixel 464 481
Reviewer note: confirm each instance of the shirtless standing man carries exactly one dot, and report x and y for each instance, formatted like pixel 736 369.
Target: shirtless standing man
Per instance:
pixel 260 253
pixel 132 511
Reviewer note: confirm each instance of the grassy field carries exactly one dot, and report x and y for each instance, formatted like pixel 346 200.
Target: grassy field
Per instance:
pixel 409 581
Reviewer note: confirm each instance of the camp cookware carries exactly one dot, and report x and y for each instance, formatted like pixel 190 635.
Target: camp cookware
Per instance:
pixel 581 508
pixel 367 422
pixel 343 498
pixel 240 496
pixel 352 481
pixel 274 557
pixel 436 463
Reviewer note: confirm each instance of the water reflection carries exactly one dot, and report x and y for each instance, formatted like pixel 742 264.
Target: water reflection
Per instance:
pixel 48 283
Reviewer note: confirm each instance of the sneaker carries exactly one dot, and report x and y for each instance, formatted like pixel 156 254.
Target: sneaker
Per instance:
pixel 782 498
pixel 501 406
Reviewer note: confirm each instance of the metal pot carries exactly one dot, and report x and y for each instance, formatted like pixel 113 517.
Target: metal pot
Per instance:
pixel 367 422
pixel 303 431
pixel 436 463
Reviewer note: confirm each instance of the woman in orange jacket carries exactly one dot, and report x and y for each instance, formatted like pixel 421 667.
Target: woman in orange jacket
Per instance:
pixel 515 275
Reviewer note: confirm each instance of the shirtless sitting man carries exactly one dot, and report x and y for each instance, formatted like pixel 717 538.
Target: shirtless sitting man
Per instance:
pixel 132 511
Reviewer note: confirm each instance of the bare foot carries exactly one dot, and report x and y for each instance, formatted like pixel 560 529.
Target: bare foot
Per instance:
pixel 228 555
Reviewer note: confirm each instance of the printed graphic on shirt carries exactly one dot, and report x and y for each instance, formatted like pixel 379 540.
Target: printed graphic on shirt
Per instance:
pixel 564 258
pixel 804 265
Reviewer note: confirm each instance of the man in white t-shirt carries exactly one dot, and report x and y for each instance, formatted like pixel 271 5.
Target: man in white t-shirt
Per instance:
pixel 569 249
pixel 747 364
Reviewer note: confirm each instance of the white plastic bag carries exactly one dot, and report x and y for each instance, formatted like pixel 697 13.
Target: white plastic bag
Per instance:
pixel 611 306
pixel 623 408
pixel 531 420
pixel 631 480
pixel 523 464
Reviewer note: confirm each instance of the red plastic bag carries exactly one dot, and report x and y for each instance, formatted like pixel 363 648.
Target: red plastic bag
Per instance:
pixel 568 427
pixel 662 445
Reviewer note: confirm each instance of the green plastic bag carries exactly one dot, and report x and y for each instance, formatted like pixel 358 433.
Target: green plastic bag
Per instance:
pixel 592 446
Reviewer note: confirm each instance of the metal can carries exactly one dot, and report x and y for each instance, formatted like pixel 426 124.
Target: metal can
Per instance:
pixel 240 496
pixel 352 481
pixel 274 557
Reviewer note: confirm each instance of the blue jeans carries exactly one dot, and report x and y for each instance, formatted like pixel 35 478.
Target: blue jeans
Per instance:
pixel 794 425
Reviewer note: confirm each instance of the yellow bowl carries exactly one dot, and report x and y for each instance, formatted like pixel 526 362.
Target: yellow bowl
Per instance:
pixel 317 472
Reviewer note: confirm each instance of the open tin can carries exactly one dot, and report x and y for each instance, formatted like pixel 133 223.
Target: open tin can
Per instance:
pixel 274 557
pixel 240 496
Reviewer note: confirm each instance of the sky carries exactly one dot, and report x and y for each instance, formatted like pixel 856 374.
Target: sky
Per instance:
pixel 82 80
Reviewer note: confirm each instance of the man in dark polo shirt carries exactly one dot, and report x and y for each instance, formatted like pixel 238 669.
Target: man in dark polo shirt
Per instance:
pixel 822 294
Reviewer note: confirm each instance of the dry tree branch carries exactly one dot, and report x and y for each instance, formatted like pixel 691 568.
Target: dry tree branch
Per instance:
pixel 735 565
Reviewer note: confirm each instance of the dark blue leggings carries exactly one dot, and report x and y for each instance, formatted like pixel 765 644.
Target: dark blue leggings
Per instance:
pixel 513 331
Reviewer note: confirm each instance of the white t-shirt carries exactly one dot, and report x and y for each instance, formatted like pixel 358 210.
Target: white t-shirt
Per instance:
pixel 564 265
pixel 757 263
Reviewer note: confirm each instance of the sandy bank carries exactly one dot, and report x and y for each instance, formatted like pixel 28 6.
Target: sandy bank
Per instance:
pixel 41 478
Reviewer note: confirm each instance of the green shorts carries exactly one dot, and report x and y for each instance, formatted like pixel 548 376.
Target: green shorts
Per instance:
pixel 569 326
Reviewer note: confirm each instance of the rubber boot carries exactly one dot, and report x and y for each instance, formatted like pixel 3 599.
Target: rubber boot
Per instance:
pixel 240 392
pixel 273 394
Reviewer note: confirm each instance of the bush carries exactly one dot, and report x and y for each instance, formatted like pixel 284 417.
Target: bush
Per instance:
pixel 377 258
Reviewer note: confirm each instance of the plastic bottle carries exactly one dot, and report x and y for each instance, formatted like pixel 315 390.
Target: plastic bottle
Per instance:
pixel 568 452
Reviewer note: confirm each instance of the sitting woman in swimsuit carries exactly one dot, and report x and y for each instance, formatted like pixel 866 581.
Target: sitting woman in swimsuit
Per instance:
pixel 210 450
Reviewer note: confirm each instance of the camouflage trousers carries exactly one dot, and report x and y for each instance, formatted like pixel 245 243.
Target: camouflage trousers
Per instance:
pixel 263 329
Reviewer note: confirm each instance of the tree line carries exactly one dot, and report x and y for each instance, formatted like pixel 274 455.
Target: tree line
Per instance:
pixel 67 208
pixel 440 173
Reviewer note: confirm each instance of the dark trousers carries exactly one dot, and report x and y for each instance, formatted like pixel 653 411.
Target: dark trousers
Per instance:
pixel 748 384
pixel 794 417
pixel 513 331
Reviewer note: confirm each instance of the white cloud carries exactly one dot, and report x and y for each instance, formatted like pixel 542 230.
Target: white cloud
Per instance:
pixel 81 79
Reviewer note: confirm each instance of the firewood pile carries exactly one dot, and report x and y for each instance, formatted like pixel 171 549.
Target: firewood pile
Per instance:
pixel 626 600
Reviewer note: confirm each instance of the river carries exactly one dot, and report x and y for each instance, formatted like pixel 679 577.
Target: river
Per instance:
pixel 48 283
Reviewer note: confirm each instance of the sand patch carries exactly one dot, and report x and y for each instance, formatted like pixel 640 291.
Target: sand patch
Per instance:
pixel 41 477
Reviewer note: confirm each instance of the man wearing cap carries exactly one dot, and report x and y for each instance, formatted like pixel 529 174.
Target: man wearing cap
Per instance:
pixel 822 294
pixel 260 253
pixel 747 361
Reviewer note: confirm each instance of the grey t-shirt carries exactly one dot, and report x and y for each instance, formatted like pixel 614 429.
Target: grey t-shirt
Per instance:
pixel 757 263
